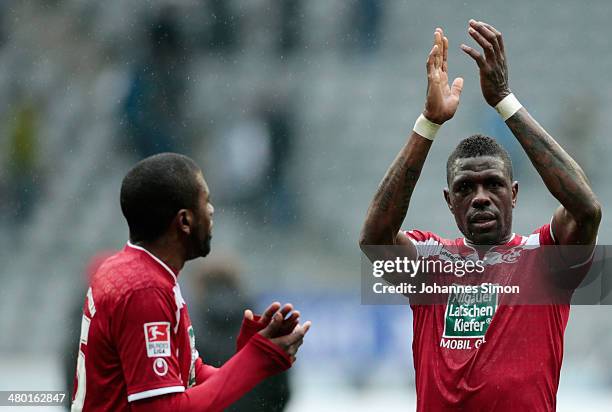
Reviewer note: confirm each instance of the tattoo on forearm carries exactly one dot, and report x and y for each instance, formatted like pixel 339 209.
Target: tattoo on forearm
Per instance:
pixel 410 179
pixel 389 186
pixel 561 174
pixel 395 193
pixel 388 209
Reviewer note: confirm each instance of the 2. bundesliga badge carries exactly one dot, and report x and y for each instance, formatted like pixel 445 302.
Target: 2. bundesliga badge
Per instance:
pixel 157 338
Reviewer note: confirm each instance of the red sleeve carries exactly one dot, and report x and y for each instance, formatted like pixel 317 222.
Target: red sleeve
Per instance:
pixel 248 329
pixel 426 243
pixel 143 329
pixel 258 360
pixel 547 238
pixel 203 371
pixel 416 235
pixel 546 235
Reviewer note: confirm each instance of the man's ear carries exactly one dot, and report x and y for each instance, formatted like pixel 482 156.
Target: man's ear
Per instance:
pixel 515 187
pixel 447 198
pixel 184 219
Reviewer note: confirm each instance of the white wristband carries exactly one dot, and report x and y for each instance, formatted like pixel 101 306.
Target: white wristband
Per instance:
pixel 426 128
pixel 508 106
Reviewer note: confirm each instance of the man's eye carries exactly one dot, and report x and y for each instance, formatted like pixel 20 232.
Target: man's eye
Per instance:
pixel 464 187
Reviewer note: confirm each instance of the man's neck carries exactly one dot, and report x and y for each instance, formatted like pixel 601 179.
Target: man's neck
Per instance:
pixel 164 251
pixel 480 247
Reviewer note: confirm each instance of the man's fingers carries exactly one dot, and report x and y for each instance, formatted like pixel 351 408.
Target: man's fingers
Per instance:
pixel 291 342
pixel 294 336
pixel 443 46
pixel 487 34
pixel 293 317
pixel 274 308
pixel 298 333
pixel 432 74
pixel 290 323
pixel 433 65
pixel 438 50
pixel 269 312
pixel 273 327
pixel 480 61
pixel 445 54
pixel 484 43
pixel 248 314
pixel 299 343
pixel 498 35
pixel 430 59
pixel 293 349
pixel 288 307
pixel 490 27
pixel 457 86
pixel 276 323
pixel 288 328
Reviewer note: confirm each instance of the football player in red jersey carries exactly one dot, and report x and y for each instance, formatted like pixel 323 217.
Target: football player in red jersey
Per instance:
pixel 511 360
pixel 137 347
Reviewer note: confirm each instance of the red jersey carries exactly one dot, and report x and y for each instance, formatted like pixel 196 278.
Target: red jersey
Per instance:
pixel 137 341
pixel 478 354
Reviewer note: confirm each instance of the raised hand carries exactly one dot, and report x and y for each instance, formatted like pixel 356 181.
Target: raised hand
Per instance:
pixel 442 99
pixel 288 341
pixel 288 322
pixel 493 68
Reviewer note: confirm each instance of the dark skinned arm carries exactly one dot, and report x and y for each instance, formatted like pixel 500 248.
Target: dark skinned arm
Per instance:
pixel 577 220
pixel 390 204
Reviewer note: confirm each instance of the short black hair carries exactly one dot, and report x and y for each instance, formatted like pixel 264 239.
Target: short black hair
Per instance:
pixel 478 145
pixel 154 190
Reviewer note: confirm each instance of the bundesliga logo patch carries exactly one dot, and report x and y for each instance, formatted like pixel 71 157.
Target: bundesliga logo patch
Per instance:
pixel 157 338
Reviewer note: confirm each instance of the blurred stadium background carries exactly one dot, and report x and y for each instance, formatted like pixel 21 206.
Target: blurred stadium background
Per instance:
pixel 294 109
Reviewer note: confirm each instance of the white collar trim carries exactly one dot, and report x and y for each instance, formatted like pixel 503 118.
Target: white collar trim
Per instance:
pixel 472 245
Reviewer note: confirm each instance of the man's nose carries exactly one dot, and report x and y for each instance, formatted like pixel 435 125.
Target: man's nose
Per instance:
pixel 481 198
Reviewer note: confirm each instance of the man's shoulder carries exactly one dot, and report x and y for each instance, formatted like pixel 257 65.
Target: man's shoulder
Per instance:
pixel 542 236
pixel 124 273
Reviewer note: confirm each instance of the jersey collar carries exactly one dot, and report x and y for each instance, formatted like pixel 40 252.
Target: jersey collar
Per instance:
pixel 155 258
pixel 514 240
